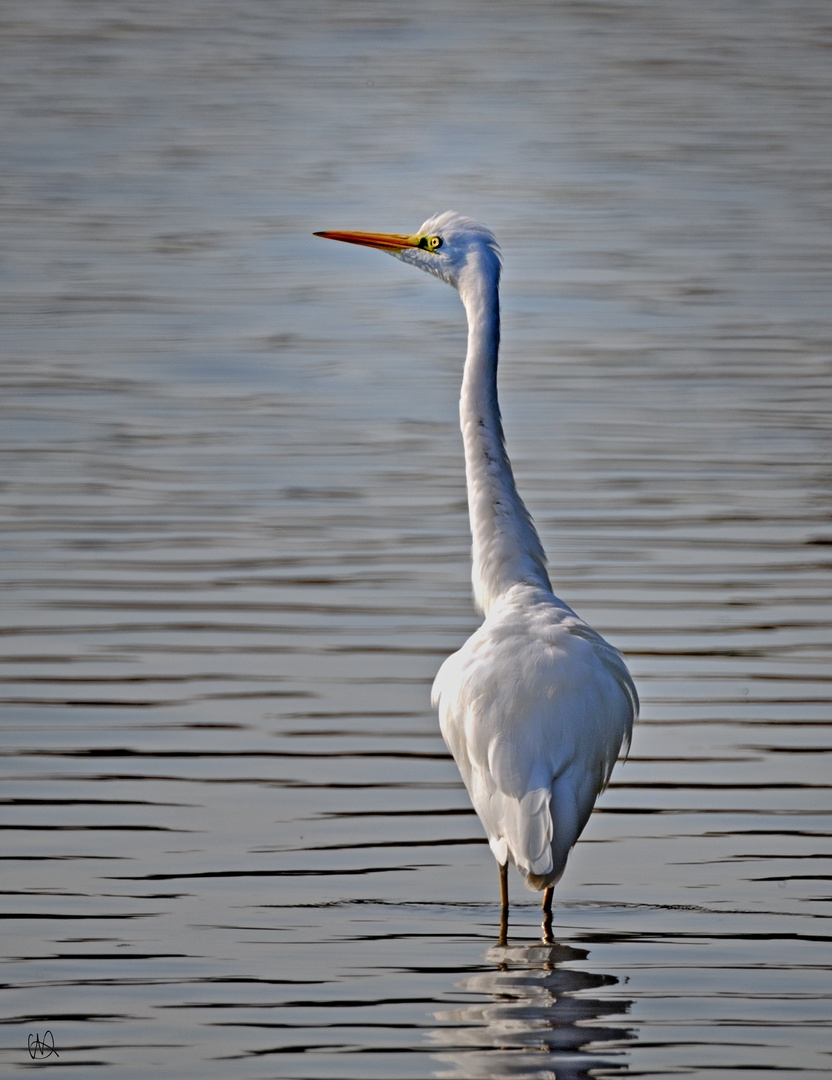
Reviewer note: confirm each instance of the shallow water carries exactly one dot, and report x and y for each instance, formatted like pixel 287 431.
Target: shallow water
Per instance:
pixel 235 549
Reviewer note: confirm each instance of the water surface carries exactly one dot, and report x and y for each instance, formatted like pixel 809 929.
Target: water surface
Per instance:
pixel 235 550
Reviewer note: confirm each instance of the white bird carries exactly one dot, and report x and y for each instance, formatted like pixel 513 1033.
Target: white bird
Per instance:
pixel 536 706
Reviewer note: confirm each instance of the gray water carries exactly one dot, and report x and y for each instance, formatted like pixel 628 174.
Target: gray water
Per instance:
pixel 235 547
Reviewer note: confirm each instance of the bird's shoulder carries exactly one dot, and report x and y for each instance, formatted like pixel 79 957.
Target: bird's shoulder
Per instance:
pixel 535 689
pixel 532 639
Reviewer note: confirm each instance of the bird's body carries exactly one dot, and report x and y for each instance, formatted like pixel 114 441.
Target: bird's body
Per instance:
pixel 536 706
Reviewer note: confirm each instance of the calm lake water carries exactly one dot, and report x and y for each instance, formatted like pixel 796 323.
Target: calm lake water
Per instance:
pixel 235 542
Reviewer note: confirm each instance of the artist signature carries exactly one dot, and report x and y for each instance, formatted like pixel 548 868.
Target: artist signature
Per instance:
pixel 42 1048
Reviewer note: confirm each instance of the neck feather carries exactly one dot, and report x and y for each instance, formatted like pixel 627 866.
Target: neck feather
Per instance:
pixel 506 547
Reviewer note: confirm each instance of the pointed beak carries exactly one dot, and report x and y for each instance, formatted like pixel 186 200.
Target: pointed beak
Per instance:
pixel 384 241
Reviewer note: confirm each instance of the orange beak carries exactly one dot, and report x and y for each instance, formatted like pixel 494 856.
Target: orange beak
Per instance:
pixel 384 241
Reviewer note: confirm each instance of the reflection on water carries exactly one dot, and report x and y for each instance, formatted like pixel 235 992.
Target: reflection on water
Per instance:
pixel 234 541
pixel 539 1019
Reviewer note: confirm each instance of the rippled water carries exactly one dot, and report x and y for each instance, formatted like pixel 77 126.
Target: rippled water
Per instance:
pixel 235 550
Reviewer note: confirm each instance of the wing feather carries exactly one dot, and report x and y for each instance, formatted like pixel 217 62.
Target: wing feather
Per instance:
pixel 535 708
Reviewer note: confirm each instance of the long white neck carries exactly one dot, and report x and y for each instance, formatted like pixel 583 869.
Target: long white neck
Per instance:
pixel 506 547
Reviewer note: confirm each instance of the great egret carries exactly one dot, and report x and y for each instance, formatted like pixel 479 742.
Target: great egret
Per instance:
pixel 536 706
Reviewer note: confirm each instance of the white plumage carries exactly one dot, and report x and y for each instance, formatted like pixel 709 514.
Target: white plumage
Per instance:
pixel 536 706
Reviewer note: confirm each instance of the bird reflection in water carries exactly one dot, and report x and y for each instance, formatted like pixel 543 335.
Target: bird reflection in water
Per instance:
pixel 533 1022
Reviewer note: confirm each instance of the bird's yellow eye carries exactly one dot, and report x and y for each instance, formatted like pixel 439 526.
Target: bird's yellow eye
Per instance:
pixel 430 243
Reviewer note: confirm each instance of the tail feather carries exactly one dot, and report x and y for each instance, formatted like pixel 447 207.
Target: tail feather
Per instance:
pixel 521 830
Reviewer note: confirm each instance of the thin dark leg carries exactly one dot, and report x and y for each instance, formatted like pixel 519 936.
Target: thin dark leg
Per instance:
pixel 503 903
pixel 547 914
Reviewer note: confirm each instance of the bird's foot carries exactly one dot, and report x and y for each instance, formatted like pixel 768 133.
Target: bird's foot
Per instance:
pixel 503 938
pixel 547 916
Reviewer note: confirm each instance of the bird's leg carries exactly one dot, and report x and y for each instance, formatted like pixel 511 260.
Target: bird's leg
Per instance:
pixel 547 914
pixel 503 903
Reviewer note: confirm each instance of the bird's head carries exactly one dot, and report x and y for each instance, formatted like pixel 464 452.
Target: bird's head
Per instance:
pixel 448 245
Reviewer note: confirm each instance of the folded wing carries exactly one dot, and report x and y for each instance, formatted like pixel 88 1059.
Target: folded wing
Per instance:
pixel 535 709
